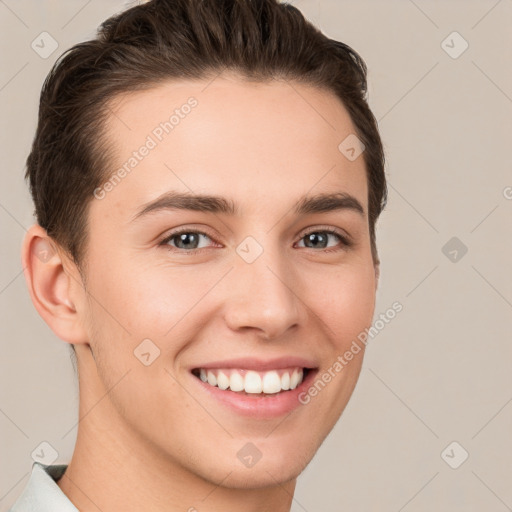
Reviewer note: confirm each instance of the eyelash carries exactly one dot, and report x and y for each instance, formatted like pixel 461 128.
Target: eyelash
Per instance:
pixel 345 242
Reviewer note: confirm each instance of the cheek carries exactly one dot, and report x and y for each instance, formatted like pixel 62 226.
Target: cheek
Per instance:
pixel 149 300
pixel 143 300
pixel 345 301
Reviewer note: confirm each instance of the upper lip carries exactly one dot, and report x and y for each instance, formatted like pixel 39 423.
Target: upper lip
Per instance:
pixel 251 363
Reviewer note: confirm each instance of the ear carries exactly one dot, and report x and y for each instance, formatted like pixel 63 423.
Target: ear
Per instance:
pixel 54 284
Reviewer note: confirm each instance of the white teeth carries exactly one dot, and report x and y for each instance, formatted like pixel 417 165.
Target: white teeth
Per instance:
pixel 222 381
pixel 212 380
pixel 252 382
pixel 271 382
pixel 236 382
pixel 295 379
pixel 285 381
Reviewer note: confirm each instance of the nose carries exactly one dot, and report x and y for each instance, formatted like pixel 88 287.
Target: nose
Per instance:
pixel 262 298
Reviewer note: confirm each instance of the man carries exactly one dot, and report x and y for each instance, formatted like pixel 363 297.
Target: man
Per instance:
pixel 207 177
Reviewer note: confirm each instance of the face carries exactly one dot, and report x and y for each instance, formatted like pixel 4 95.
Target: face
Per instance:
pixel 256 288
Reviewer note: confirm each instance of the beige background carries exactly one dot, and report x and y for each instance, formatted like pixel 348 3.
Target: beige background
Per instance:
pixel 441 370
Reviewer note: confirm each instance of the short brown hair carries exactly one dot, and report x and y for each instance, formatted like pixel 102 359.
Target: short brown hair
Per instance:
pixel 170 40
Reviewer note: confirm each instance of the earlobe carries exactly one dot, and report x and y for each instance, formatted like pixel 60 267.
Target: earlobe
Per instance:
pixel 53 290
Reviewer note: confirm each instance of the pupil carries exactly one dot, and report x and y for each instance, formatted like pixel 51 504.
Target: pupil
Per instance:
pixel 313 238
pixel 185 237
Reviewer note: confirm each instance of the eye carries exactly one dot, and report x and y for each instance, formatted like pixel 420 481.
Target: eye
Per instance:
pixel 186 240
pixel 320 237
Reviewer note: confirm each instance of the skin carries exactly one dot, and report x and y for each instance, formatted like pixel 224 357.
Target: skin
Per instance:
pixel 146 440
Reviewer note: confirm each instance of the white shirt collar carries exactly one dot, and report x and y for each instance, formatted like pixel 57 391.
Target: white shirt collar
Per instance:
pixel 42 494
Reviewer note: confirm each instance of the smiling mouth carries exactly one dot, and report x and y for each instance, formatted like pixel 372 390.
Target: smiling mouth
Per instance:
pixel 250 382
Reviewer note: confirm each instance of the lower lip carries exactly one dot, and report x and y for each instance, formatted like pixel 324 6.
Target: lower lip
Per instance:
pixel 256 406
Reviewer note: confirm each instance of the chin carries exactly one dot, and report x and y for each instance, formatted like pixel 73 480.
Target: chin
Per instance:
pixel 275 467
pixel 262 476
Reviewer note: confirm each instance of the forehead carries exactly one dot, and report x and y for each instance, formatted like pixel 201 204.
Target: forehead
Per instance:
pixel 255 142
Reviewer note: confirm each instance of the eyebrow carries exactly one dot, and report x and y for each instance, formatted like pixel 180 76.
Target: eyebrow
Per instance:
pixel 319 203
